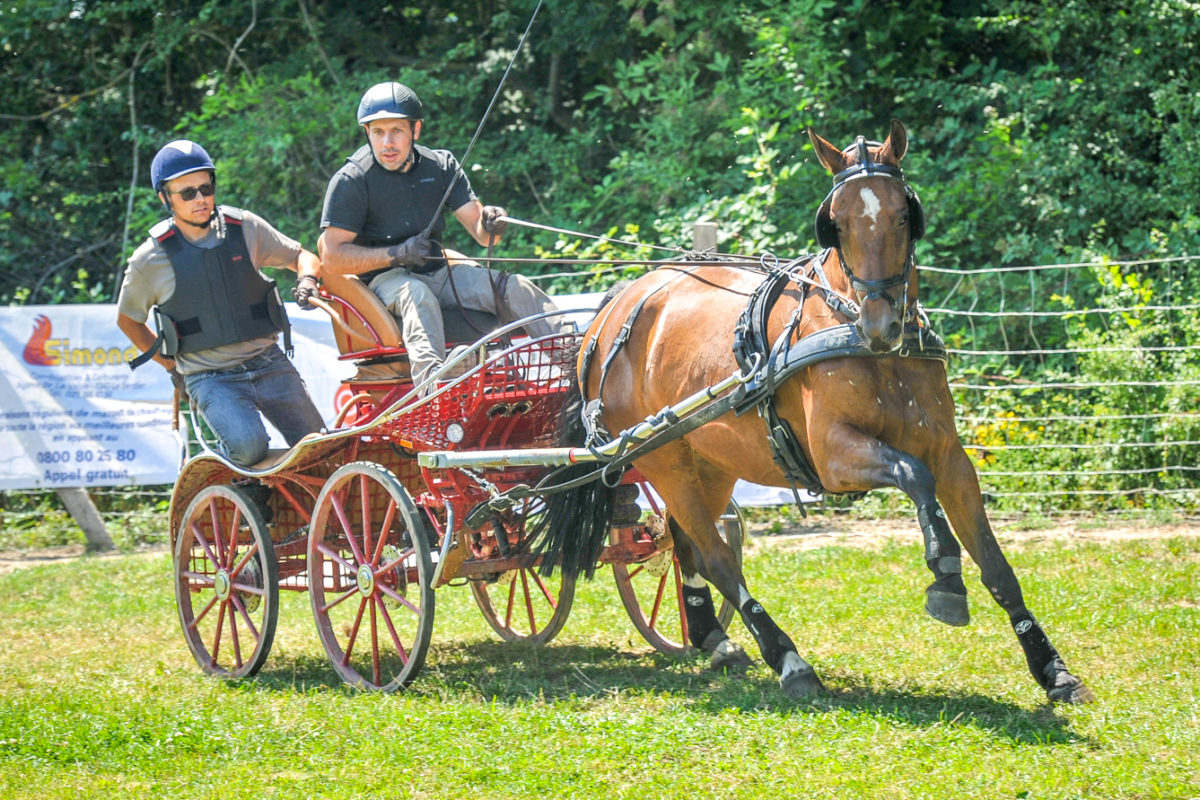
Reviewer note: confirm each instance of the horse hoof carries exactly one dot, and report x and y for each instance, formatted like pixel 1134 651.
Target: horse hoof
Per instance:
pixel 946 607
pixel 728 656
pixel 801 683
pixel 1065 687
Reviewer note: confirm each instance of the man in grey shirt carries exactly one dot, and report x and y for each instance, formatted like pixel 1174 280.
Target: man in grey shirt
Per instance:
pixel 218 317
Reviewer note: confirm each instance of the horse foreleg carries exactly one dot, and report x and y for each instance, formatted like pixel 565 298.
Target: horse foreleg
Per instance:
pixel 882 465
pixel 964 506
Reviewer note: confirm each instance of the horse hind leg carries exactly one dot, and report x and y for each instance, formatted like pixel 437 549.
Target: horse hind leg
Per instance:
pixel 715 562
pixel 704 629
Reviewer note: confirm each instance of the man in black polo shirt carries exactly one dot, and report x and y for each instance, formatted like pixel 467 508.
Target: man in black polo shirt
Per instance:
pixel 378 204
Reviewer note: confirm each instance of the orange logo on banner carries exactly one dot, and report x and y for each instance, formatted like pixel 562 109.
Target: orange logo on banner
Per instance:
pixel 42 351
pixel 35 348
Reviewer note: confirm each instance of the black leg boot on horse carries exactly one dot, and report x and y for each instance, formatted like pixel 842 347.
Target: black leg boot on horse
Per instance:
pixel 704 629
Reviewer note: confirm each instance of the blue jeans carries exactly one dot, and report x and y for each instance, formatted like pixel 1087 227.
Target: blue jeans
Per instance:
pixel 230 401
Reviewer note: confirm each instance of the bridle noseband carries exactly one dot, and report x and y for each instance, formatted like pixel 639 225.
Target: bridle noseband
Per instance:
pixel 826 234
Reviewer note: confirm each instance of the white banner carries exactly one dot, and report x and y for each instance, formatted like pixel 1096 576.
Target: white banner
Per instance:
pixel 72 413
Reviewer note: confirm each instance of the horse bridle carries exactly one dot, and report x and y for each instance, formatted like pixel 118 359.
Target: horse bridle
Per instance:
pixel 871 290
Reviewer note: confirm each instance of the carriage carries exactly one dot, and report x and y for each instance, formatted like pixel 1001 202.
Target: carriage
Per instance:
pixel 350 516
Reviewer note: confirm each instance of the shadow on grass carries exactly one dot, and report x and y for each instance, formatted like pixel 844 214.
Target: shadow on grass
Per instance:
pixel 519 674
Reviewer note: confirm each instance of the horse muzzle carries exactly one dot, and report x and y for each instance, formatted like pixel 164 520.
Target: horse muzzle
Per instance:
pixel 880 326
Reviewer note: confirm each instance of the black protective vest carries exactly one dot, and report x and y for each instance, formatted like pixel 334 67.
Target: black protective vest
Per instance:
pixel 219 297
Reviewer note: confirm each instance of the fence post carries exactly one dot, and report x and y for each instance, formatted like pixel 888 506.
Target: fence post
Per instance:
pixel 87 516
pixel 704 237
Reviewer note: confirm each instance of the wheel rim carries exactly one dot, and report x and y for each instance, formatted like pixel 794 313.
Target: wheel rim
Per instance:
pixel 369 578
pixel 522 605
pixel 652 590
pixel 226 583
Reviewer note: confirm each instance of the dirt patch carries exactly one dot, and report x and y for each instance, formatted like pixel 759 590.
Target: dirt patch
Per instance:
pixel 827 531
pixel 11 560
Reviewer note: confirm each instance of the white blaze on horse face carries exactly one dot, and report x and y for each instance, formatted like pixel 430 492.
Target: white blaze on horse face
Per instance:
pixel 871 205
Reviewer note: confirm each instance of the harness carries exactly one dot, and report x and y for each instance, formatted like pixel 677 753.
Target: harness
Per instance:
pixel 780 360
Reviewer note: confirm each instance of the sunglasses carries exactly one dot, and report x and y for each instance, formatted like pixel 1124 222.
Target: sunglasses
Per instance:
pixel 190 192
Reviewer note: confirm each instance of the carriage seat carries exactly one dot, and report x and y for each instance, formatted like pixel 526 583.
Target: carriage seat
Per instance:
pixel 370 336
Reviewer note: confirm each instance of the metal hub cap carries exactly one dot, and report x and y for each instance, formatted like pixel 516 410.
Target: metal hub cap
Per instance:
pixel 366 580
pixel 222 584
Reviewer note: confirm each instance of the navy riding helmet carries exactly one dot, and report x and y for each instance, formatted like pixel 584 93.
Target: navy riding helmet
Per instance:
pixel 179 158
pixel 389 101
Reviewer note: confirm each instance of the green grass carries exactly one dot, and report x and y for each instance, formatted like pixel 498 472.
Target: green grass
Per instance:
pixel 99 697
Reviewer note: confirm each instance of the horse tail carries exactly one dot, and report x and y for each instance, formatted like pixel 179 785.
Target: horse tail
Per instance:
pixel 575 526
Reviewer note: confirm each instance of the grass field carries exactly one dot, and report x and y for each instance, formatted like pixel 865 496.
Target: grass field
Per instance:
pixel 99 697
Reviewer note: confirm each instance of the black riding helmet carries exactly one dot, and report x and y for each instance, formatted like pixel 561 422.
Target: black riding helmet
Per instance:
pixel 389 101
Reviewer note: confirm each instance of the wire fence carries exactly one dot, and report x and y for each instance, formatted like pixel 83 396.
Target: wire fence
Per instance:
pixel 1090 404
pixel 1077 385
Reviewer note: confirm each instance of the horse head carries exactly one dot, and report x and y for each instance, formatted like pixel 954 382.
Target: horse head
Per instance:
pixel 871 218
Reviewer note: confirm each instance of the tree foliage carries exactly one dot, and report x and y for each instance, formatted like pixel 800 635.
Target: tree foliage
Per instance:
pixel 1039 133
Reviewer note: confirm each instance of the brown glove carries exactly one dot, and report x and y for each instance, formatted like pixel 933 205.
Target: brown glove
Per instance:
pixel 492 222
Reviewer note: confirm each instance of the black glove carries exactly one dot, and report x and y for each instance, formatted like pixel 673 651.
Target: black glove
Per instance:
pixel 412 252
pixel 306 287
pixel 491 220
pixel 178 382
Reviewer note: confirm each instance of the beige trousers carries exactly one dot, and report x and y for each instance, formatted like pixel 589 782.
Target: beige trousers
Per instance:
pixel 416 301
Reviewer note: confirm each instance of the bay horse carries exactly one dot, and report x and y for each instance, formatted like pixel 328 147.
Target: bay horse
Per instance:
pixel 867 416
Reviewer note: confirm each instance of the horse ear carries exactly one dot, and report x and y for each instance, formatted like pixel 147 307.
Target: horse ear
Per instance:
pixel 897 143
pixel 829 156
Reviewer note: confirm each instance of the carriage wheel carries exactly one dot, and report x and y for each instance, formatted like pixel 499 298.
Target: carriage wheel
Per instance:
pixel 652 590
pixel 370 578
pixel 522 605
pixel 226 582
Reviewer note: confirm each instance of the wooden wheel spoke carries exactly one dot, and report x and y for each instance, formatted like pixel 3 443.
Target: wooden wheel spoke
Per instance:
pixel 339 509
pixel 399 598
pixel 198 580
pixel 364 499
pixel 251 552
pixel 231 543
pixel 541 585
pixel 335 556
pixel 508 610
pixel 353 590
pixel 198 536
pixel 352 637
pixel 214 516
pixel 380 541
pixel 245 615
pixel 216 648
pixel 658 598
pixel 387 620
pixel 233 636
pixel 533 626
pixel 203 613
pixel 683 628
pixel 376 670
